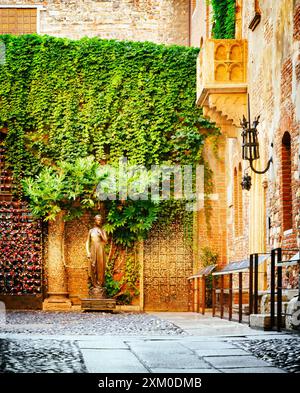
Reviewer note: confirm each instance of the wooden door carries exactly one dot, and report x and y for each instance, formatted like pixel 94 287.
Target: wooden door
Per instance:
pixel 167 265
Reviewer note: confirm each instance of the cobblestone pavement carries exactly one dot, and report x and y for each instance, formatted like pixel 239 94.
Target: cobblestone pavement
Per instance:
pixel 111 354
pixel 281 353
pixel 87 323
pixel 39 356
pixel 141 343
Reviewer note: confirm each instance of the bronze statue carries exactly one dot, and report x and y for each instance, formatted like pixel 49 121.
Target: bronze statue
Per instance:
pixel 95 251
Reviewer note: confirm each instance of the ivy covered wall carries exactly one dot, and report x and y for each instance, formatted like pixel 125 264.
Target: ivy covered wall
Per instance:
pixel 62 101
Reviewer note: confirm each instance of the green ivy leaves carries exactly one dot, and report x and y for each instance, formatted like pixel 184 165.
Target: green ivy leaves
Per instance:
pixel 130 221
pixel 223 19
pixel 63 99
pixel 68 186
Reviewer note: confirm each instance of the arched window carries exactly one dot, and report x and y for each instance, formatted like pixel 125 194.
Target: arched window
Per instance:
pixel 286 182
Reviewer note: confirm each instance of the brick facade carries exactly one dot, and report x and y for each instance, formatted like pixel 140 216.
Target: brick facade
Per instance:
pixel 274 87
pixel 270 211
pixel 297 22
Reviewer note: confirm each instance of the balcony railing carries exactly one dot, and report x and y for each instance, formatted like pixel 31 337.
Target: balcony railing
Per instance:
pixel 221 67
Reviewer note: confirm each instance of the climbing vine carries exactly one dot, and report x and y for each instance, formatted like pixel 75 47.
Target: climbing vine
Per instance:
pixel 67 105
pixel 223 18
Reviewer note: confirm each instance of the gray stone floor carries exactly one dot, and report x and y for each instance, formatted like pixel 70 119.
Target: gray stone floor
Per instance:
pixel 180 343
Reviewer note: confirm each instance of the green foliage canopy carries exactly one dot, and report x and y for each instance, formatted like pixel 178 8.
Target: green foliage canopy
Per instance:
pixel 63 101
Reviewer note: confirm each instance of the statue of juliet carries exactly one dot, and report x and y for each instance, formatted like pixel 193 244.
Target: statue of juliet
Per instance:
pixel 95 244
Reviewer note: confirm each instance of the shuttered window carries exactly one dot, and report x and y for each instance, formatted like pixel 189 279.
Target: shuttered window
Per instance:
pixel 18 21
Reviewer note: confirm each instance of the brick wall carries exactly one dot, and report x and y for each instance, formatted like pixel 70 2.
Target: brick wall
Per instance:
pixel 297 22
pixel 288 123
pixel 158 21
pixel 211 221
pixel 273 86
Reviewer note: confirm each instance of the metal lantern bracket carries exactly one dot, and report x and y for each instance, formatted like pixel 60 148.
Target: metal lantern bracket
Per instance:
pixel 264 171
pixel 250 142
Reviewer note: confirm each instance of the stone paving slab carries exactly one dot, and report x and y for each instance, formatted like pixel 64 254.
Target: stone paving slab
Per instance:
pixel 204 345
pixel 166 355
pixel 103 344
pixel 212 339
pixel 172 361
pixel 268 336
pixel 254 370
pixel 221 352
pixel 226 331
pixel 185 370
pixel 112 361
pixel 165 346
pixel 205 325
pixel 223 362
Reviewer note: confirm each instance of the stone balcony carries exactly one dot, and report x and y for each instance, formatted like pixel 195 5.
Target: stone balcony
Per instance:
pixel 222 82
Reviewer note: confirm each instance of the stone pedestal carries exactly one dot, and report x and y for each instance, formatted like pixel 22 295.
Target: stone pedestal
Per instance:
pixel 91 304
pixel 56 273
pixel 97 301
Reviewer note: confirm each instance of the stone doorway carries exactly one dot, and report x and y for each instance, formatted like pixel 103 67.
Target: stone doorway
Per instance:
pixel 168 262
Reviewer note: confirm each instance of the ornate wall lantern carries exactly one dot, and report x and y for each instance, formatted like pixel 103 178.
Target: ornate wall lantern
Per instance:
pixel 250 147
